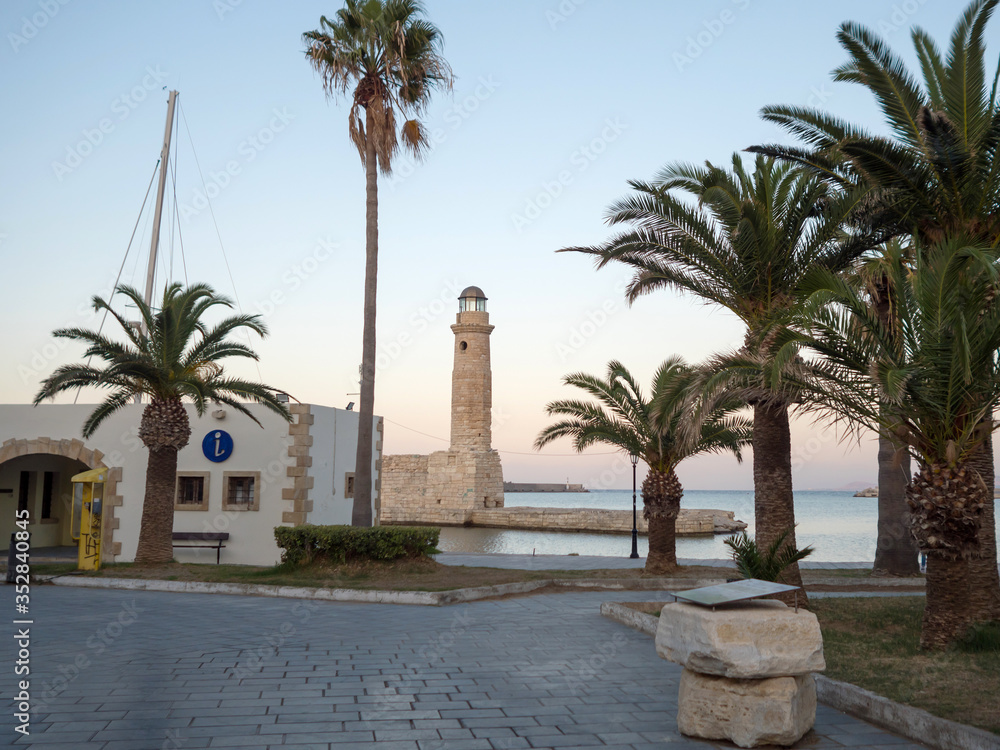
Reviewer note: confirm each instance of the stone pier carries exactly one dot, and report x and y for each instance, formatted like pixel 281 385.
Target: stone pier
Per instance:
pixel 594 520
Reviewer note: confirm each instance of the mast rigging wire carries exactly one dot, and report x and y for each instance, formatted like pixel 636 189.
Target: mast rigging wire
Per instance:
pixel 211 211
pixel 127 250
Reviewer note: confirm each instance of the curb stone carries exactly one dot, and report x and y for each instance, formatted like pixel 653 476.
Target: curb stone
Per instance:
pixel 912 723
pixel 252 589
pixel 421 598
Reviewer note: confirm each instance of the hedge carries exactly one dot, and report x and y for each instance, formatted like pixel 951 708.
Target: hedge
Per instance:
pixel 303 544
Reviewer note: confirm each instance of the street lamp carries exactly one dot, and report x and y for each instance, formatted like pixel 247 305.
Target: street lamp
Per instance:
pixel 634 458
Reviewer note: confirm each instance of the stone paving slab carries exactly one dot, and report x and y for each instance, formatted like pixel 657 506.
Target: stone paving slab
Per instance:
pixel 190 671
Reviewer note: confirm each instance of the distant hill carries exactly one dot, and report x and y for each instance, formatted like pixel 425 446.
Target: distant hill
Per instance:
pixel 854 486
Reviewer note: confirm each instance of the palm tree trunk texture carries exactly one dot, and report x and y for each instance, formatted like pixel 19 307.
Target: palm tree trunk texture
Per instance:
pixel 947 611
pixel 662 556
pixel 661 504
pixel 984 580
pixel 774 509
pixel 361 514
pixel 157 527
pixel 896 552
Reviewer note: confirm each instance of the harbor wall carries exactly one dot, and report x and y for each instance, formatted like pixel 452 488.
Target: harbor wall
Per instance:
pixel 535 487
pixel 594 520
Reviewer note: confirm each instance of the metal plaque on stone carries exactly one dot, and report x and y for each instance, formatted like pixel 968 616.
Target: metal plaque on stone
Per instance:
pixel 737 591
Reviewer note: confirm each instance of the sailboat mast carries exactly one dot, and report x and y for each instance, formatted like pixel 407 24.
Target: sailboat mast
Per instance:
pixel 158 213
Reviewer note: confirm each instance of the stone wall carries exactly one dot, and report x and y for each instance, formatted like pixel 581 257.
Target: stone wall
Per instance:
pixel 430 489
pixel 690 521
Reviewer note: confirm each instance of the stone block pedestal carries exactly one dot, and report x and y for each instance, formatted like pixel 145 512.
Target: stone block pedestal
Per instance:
pixel 749 640
pixel 747 670
pixel 772 711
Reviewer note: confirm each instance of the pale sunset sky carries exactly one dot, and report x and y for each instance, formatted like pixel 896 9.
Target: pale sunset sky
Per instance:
pixel 556 105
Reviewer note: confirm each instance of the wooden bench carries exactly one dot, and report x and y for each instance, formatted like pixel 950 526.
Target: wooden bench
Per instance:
pixel 210 539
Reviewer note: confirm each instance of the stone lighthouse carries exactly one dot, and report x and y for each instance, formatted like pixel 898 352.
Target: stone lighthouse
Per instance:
pixel 472 401
pixel 447 486
pixel 471 379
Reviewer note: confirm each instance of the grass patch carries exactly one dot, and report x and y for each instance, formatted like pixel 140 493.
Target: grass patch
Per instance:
pixel 874 643
pixel 981 639
pixel 413 574
pixel 400 575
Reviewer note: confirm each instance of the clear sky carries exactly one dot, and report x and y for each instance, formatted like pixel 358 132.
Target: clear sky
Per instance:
pixel 556 105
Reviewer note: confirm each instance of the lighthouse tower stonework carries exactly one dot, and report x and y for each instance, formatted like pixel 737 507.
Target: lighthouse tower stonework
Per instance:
pixel 472 403
pixel 447 486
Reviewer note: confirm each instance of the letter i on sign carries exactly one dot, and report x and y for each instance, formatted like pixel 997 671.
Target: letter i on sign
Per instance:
pixel 217 446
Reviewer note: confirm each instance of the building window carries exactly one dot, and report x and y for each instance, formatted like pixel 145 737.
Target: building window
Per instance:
pixel 47 484
pixel 23 491
pixel 241 490
pixel 349 484
pixel 192 490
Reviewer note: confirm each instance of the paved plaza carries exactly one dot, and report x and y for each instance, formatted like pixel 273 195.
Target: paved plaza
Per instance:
pixel 119 670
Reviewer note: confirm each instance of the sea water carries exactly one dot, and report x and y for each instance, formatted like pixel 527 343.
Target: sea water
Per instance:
pixel 839 526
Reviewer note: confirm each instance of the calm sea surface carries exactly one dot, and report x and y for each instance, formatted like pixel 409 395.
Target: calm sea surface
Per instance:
pixel 840 527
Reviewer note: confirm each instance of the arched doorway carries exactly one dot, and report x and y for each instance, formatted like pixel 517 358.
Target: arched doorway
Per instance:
pixel 36 474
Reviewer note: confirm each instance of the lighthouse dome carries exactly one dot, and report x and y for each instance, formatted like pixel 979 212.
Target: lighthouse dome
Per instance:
pixel 472 298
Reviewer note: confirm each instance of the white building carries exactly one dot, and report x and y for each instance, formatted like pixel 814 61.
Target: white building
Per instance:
pixel 233 476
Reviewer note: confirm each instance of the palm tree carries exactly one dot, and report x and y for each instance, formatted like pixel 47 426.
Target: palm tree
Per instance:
pixel 936 177
pixel 387 58
pixel 895 549
pixel 929 379
pixel 660 430
pixel 745 246
pixel 175 356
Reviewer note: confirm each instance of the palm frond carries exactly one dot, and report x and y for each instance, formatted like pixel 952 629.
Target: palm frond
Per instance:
pixel 177 357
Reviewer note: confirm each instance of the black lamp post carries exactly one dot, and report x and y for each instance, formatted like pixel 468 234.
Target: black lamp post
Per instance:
pixel 635 531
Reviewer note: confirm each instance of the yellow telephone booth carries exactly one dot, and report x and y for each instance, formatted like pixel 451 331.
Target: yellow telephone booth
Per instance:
pixel 88 496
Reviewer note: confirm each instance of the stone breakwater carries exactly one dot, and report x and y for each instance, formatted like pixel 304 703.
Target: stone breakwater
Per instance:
pixel 593 520
pixel 535 487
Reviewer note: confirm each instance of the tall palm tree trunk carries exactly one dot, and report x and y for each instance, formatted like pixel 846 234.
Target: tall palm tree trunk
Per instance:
pixel 774 509
pixel 896 552
pixel 662 556
pixel 164 429
pixel 157 526
pixel 984 579
pixel 661 504
pixel 944 502
pixel 947 610
pixel 361 514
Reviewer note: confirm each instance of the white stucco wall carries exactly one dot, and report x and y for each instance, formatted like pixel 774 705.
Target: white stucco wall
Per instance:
pixel 334 433
pixel 334 454
pixel 254 450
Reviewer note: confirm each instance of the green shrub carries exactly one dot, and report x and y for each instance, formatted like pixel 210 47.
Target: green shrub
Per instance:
pixel 338 544
pixel 764 565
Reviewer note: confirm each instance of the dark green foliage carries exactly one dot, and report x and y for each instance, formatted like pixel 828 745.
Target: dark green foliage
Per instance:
pixel 662 429
pixel 981 639
pixel 174 355
pixel 769 564
pixel 339 544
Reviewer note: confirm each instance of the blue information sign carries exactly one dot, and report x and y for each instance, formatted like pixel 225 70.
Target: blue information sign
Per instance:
pixel 217 446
